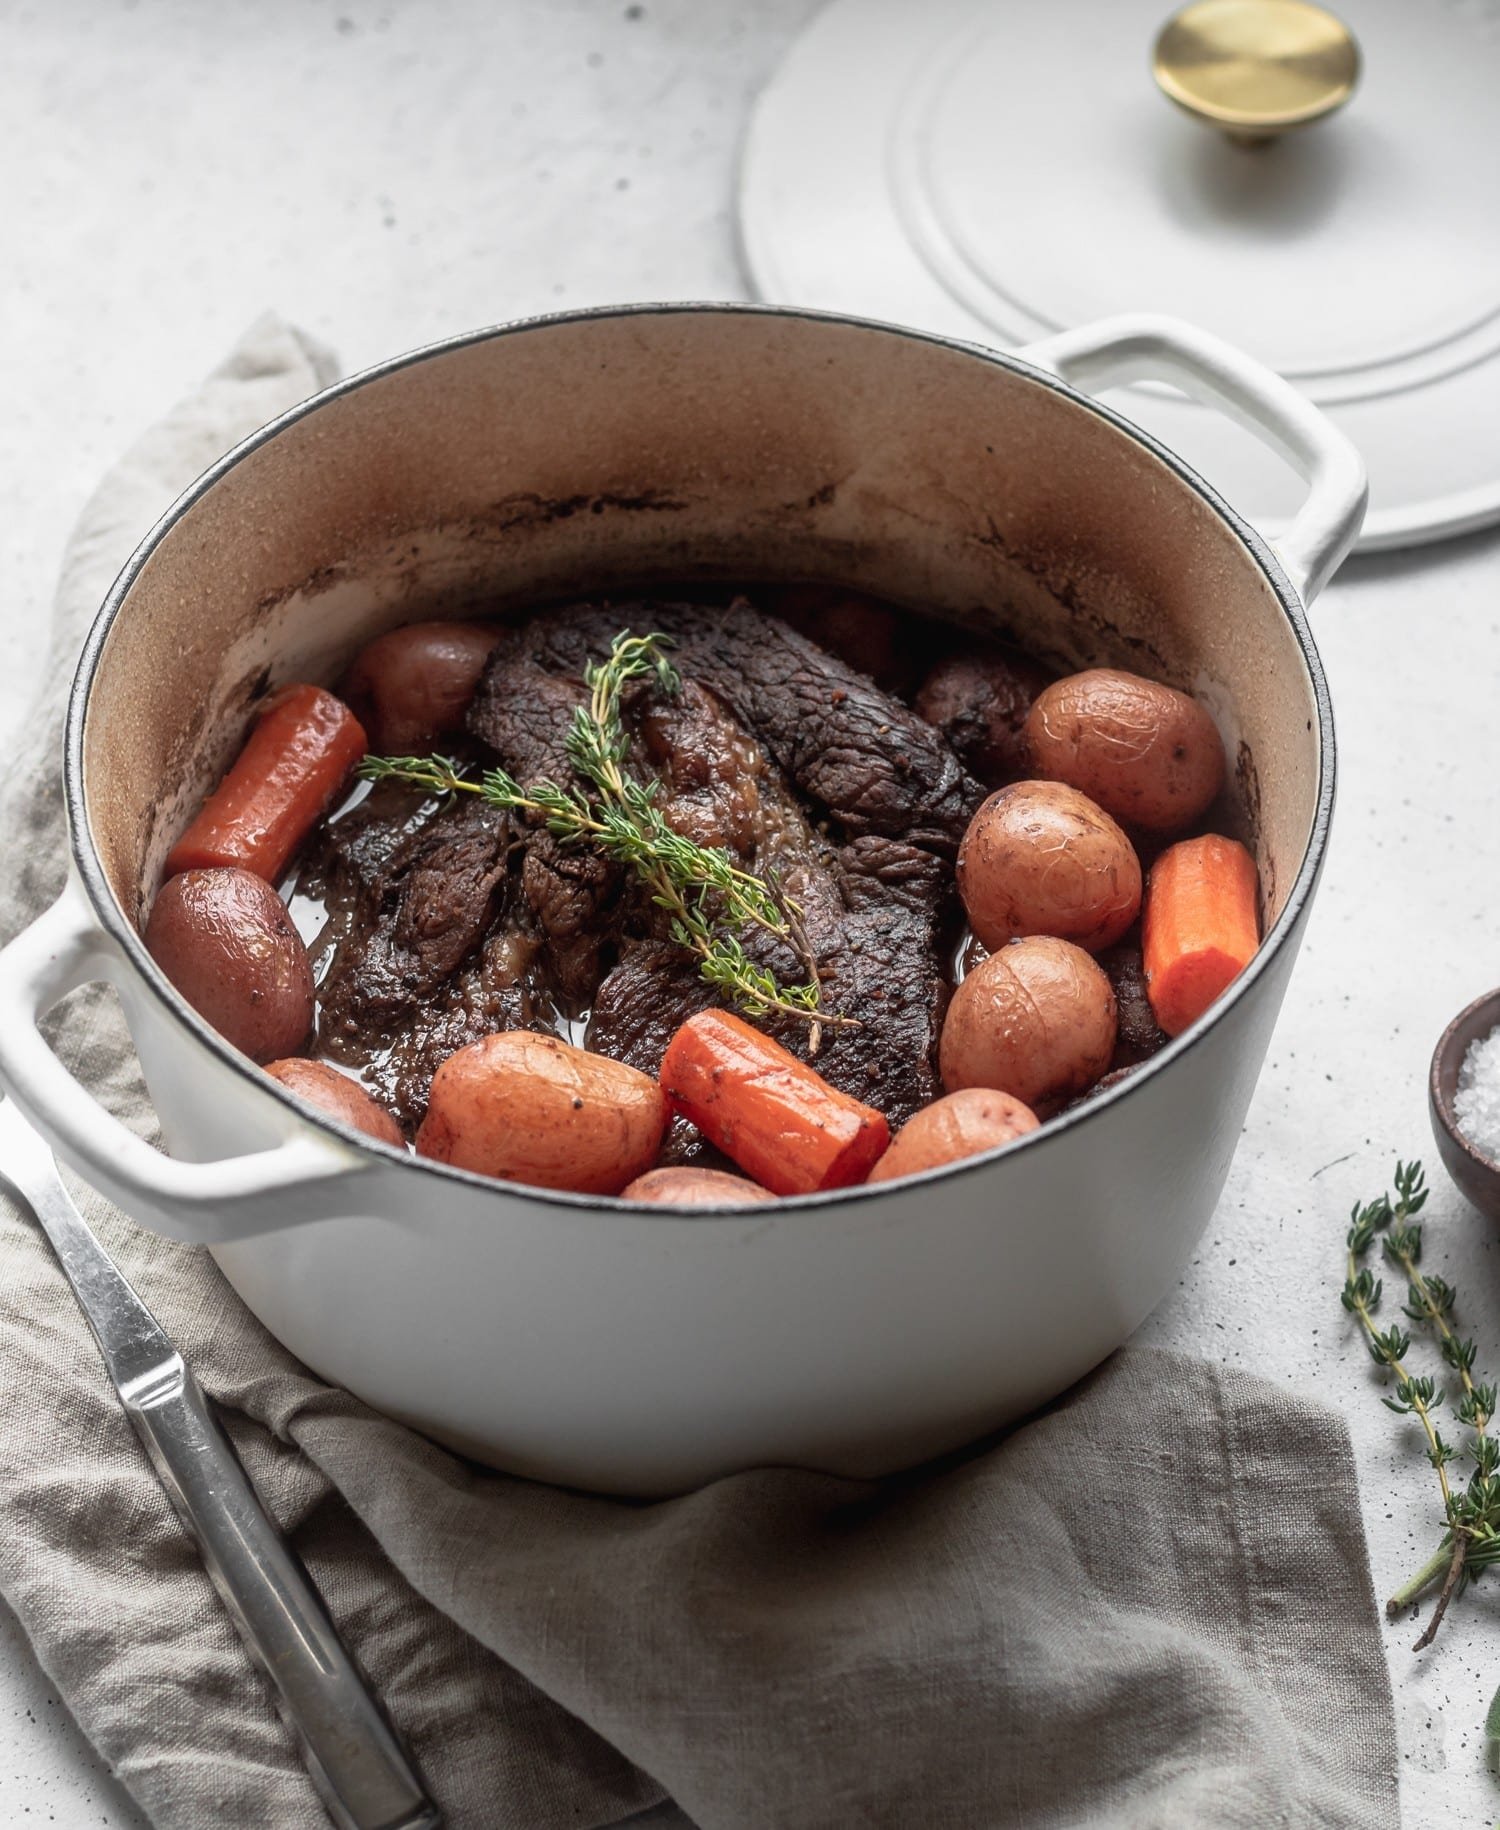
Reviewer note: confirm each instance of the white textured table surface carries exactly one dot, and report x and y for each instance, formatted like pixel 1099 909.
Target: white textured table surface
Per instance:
pixel 390 174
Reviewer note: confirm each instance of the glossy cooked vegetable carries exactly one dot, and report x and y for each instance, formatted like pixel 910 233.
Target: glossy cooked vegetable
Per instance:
pixel 1041 858
pixel 1147 754
pixel 958 1125
pixel 337 1095
pixel 689 1187
pixel 1036 1019
pixel 532 1108
pixel 225 940
pixel 1200 928
pixel 295 764
pixel 773 1114
pixel 412 686
pixel 858 629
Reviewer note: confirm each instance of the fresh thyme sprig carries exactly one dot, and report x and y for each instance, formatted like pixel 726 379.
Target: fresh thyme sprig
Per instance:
pixel 709 901
pixel 1471 1513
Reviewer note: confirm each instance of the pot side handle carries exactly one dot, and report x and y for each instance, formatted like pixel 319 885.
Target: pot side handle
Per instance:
pixel 1145 347
pixel 201 1203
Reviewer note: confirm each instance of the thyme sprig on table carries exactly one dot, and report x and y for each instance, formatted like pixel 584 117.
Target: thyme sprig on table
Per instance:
pixel 709 900
pixel 1471 1512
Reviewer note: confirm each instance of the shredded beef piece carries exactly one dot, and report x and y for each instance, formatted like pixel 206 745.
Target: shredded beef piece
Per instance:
pixel 415 892
pixel 447 925
pixel 979 699
pixel 526 712
pixel 859 755
pixel 423 912
pixel 1139 1035
pixel 798 764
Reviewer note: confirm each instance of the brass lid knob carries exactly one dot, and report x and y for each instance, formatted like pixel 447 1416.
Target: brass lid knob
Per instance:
pixel 1256 67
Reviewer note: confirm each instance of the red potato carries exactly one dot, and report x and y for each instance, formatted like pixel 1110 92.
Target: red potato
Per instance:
pixel 979 700
pixel 533 1109
pixel 689 1187
pixel 337 1095
pixel 1037 1020
pixel 863 632
pixel 226 941
pixel 413 686
pixel 958 1125
pixel 1041 858
pixel 1147 754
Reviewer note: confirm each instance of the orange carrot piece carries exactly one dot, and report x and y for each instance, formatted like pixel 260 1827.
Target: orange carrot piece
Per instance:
pixel 1199 927
pixel 293 767
pixel 775 1116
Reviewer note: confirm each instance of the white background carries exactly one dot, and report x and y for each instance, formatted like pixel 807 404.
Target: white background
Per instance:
pixel 386 175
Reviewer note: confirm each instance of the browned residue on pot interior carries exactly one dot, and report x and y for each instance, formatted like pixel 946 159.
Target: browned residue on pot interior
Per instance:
pixel 599 454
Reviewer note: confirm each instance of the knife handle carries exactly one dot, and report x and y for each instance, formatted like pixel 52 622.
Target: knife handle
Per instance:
pixel 361 1773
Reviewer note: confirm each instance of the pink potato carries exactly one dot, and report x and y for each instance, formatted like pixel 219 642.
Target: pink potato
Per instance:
pixel 531 1108
pixel 861 631
pixel 225 940
pixel 337 1095
pixel 1036 1020
pixel 1041 858
pixel 685 1186
pixel 958 1125
pixel 1147 754
pixel 413 686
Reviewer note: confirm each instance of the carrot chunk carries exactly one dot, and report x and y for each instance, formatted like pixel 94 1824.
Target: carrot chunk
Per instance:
pixel 1199 927
pixel 291 770
pixel 775 1116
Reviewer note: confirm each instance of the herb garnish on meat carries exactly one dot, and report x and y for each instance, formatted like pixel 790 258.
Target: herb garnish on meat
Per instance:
pixel 708 899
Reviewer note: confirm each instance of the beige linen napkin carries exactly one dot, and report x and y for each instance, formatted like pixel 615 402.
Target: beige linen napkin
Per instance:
pixel 1150 1607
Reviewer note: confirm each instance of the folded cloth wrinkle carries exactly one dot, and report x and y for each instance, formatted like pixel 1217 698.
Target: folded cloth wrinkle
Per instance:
pixel 1147 1608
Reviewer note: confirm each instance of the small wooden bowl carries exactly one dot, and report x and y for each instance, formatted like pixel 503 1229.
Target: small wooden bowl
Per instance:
pixel 1476 1174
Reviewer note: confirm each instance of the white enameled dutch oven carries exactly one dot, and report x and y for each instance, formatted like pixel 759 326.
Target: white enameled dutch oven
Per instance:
pixel 589 1341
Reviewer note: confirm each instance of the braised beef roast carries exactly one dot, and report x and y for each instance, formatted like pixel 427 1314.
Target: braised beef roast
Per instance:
pixel 449 922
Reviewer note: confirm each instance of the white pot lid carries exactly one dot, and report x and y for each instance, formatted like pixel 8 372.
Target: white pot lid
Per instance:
pixel 999 174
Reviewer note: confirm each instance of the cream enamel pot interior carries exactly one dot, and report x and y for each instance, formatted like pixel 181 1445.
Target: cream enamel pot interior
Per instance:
pixel 588 1341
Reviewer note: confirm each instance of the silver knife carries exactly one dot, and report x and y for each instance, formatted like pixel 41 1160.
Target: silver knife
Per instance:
pixel 352 1755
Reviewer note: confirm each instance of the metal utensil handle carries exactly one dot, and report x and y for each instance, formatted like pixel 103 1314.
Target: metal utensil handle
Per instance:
pixel 1145 347
pixel 351 1752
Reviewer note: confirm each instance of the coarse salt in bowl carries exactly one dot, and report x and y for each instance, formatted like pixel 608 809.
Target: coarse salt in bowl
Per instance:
pixel 1476 1099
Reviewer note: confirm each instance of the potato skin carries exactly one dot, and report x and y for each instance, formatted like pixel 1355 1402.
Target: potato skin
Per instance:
pixel 685 1186
pixel 1041 858
pixel 337 1095
pixel 413 685
pixel 861 631
pixel 533 1109
pixel 1036 1020
pixel 1147 754
pixel 958 1125
pixel 979 700
pixel 225 940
